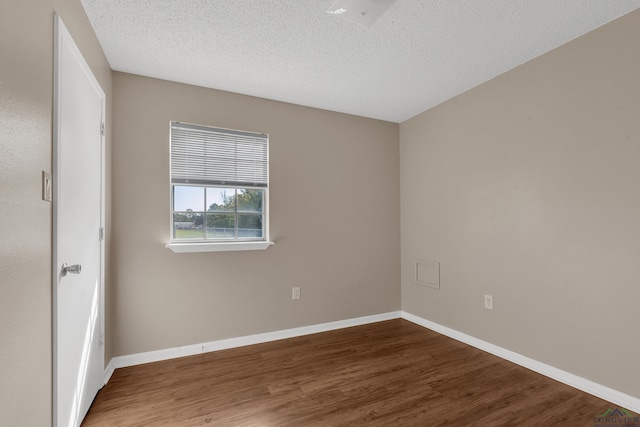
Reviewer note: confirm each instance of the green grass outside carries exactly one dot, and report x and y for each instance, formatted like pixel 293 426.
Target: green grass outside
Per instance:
pixel 199 234
pixel 189 234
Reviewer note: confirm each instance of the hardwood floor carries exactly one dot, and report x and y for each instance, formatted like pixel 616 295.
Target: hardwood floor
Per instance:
pixel 392 373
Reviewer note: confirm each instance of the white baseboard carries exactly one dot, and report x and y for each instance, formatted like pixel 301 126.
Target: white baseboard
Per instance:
pixel 614 396
pixel 626 401
pixel 190 350
pixel 108 371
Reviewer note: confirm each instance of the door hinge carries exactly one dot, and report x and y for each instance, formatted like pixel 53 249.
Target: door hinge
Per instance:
pixel 101 233
pixel 101 129
pixel 101 340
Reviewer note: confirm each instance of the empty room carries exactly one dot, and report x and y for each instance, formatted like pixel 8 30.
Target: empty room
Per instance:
pixel 319 213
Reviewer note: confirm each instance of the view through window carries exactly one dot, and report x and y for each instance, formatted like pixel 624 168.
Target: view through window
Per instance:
pixel 219 184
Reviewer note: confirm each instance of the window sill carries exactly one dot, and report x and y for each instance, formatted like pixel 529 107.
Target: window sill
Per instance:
pixel 190 247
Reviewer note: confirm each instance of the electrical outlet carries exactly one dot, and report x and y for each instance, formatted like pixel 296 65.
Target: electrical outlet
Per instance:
pixel 488 302
pixel 295 293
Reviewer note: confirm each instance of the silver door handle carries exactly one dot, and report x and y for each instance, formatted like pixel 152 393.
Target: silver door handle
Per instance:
pixel 73 269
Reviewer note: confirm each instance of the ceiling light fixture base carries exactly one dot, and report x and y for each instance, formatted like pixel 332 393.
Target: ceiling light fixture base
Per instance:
pixel 362 12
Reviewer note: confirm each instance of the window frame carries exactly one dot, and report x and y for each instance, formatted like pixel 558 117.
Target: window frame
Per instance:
pixel 236 213
pixel 205 244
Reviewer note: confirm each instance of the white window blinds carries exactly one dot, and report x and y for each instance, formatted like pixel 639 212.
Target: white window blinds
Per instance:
pixel 212 156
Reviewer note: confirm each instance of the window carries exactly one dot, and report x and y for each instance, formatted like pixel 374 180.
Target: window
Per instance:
pixel 219 187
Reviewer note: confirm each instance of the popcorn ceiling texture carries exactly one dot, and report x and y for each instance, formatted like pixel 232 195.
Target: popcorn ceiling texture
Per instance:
pixel 417 55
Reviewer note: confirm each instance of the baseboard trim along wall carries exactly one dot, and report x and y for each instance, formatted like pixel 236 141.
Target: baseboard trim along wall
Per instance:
pixel 190 350
pixel 614 396
pixel 622 399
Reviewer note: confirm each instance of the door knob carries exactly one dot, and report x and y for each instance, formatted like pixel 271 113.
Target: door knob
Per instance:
pixel 73 269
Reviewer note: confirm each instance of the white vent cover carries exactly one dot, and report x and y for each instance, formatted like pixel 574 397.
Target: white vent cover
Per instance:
pixel 428 273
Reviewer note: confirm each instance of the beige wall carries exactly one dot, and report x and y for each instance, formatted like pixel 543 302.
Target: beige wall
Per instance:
pixel 26 99
pixel 525 188
pixel 334 193
pixel 528 188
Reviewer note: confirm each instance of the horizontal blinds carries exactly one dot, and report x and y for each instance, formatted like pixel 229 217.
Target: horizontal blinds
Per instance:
pixel 212 156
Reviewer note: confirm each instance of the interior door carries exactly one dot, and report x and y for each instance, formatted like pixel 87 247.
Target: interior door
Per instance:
pixel 78 233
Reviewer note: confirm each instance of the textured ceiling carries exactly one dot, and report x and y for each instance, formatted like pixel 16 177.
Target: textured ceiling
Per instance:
pixel 417 55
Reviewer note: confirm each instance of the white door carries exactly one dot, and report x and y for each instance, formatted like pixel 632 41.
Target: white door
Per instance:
pixel 78 262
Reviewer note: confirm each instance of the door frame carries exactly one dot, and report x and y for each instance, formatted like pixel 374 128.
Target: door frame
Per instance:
pixel 61 34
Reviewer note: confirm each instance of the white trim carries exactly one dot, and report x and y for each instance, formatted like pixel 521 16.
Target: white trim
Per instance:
pixel 190 350
pixel 603 392
pixel 181 248
pixel 108 371
pixel 629 402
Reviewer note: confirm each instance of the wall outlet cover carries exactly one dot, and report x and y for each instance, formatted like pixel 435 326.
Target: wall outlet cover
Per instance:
pixel 488 302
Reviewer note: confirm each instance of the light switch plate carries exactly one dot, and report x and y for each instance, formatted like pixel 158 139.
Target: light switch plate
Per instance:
pixel 46 186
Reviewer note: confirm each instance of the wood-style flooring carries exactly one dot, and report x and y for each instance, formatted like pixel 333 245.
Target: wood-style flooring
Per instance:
pixel 392 373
